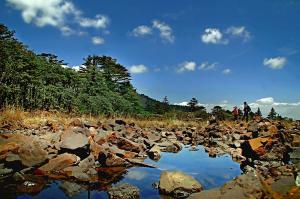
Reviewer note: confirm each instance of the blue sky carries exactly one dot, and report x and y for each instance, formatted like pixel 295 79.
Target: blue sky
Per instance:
pixel 221 52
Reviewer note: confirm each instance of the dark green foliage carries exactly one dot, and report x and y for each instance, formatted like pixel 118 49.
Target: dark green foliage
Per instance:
pixel 272 115
pixel 219 112
pixel 193 103
pixel 258 112
pixel 34 81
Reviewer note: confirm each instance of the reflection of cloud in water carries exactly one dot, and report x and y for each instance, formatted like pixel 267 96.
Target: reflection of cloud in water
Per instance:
pixel 136 175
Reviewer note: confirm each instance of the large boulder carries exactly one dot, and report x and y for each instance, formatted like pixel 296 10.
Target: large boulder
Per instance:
pixel 59 163
pixel 170 182
pixel 243 187
pixel 72 140
pixel 29 149
pixel 124 191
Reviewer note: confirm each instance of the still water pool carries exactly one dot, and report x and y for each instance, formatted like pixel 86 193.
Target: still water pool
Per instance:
pixel 210 172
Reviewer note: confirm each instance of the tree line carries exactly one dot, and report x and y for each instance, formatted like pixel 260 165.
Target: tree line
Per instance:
pixel 39 81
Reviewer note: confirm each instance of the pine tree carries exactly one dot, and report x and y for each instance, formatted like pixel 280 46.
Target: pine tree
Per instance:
pixel 193 103
pixel 165 100
pixel 272 114
pixel 258 112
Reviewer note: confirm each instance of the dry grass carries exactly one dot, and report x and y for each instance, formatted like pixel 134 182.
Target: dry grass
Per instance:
pixel 15 118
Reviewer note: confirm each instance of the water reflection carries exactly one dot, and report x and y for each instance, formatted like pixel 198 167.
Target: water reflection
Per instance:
pixel 210 172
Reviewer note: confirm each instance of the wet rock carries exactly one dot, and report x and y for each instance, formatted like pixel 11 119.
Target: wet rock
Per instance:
pixel 207 194
pixel 154 153
pixel 171 181
pixel 71 140
pixel 57 164
pixel 71 189
pixel 124 191
pixel 172 147
pixel 31 184
pixel 5 171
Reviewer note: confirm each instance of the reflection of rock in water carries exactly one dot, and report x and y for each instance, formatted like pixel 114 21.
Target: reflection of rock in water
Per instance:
pixel 124 191
pixel 108 176
pixel 71 189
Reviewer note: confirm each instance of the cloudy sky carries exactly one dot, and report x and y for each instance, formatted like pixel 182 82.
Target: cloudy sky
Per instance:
pixel 222 53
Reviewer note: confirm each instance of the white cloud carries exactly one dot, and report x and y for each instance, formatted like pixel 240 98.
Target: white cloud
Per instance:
pixel 186 66
pixel 137 69
pixel 275 63
pixel 265 101
pixel 77 68
pixel 213 36
pixel 226 71
pixel 41 12
pixel 208 66
pixel 166 32
pixel 57 13
pixel 239 31
pixel 98 40
pixel 141 31
pixel 100 21
pixel 285 109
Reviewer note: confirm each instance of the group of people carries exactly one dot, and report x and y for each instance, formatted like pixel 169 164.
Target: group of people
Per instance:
pixel 246 110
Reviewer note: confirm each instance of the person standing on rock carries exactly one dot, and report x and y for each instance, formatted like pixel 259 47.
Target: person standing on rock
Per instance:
pixel 247 109
pixel 235 113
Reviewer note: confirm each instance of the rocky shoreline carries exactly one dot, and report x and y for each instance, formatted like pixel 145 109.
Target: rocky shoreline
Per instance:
pixel 98 154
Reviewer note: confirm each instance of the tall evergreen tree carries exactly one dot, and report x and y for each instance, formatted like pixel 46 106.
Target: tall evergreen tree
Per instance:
pixel 272 114
pixel 258 112
pixel 193 103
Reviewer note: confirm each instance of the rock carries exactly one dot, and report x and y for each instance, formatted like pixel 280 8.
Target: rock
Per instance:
pixel 31 184
pixel 284 184
pixel 77 122
pixel 273 130
pixel 296 141
pixel 129 145
pixel 243 187
pixel 71 140
pixel 95 148
pixel 124 191
pixel 112 160
pixel 257 145
pixel 57 164
pixel 8 147
pixel 171 181
pixel 5 171
pixel 207 194
pixel 295 154
pixel 154 153
pixel 29 150
pixel 172 147
pixel 71 189
pixel 253 127
pixel 153 137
